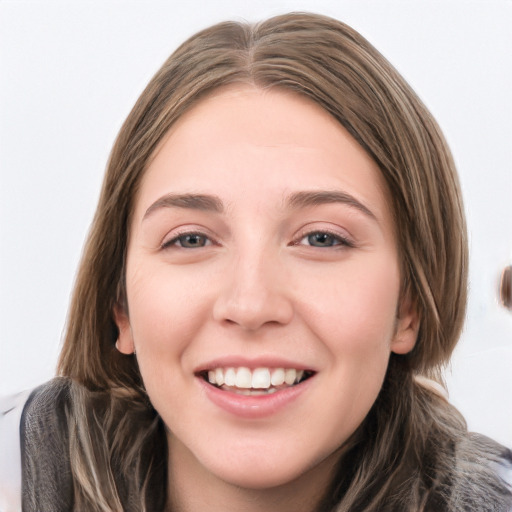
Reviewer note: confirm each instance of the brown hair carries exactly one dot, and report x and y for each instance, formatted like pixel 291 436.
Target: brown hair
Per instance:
pixel 333 65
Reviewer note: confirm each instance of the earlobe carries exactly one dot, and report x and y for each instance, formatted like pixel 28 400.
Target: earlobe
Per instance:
pixel 124 343
pixel 407 327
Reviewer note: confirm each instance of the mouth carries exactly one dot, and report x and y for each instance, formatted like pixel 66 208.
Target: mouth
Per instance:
pixel 255 382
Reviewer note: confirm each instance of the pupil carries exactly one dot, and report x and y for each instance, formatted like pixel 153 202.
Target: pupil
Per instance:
pixel 194 240
pixel 323 239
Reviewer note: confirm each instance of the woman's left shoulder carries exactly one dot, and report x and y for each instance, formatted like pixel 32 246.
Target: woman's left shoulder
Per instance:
pixel 482 475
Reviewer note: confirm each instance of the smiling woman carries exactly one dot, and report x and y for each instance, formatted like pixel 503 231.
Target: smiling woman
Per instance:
pixel 274 278
pixel 289 277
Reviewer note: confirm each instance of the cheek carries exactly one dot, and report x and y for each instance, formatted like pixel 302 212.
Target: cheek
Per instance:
pixel 356 307
pixel 166 309
pixel 165 315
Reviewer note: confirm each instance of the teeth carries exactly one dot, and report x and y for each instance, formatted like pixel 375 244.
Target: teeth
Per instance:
pixel 260 378
pixel 229 377
pixel 219 377
pixel 290 376
pixel 277 378
pixel 249 381
pixel 243 378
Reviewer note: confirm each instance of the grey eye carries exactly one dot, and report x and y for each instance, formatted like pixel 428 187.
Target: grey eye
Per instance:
pixel 321 239
pixel 191 241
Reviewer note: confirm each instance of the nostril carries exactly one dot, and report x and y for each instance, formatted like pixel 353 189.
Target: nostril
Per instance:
pixel 251 301
pixel 255 316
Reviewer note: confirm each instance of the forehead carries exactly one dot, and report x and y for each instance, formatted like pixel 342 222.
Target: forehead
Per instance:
pixel 244 139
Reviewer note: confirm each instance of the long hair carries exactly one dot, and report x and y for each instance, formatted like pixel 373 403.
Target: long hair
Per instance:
pixel 330 63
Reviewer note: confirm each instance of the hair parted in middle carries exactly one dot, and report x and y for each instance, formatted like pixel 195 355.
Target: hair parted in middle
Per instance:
pixel 335 67
pixel 331 64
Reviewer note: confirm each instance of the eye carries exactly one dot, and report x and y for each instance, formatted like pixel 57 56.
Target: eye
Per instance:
pixel 188 241
pixel 324 239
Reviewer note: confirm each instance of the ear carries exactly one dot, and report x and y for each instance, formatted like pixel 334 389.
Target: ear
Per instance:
pixel 407 327
pixel 124 341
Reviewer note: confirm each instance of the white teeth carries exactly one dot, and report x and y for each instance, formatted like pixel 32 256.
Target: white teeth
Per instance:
pixel 230 377
pixel 289 376
pixel 219 377
pixel 261 378
pixel 243 378
pixel 277 378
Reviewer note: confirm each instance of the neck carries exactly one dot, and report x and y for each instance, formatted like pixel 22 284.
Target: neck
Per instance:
pixel 192 488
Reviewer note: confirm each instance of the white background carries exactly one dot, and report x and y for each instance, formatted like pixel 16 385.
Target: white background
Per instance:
pixel 70 72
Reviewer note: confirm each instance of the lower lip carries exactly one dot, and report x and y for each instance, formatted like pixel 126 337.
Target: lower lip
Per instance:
pixel 254 407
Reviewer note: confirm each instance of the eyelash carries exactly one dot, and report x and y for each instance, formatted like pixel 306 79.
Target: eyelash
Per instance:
pixel 337 239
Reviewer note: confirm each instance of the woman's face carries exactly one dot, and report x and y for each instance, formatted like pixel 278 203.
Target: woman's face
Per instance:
pixel 262 248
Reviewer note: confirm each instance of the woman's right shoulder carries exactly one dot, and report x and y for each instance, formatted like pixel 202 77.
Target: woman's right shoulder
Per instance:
pixel 31 422
pixel 46 402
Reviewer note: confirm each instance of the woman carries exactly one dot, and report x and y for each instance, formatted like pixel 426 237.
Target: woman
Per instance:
pixel 275 273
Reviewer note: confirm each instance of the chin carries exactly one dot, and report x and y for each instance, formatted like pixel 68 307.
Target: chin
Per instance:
pixel 266 476
pixel 271 469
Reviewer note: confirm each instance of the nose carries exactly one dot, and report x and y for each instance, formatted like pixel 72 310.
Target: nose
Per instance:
pixel 255 294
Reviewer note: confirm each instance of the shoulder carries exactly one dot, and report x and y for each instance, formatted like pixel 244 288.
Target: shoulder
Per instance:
pixel 44 441
pixel 482 475
pixel 45 406
pixel 32 444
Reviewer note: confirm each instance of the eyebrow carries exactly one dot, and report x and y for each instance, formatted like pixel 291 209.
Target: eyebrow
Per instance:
pixel 201 202
pixel 315 198
pixel 295 201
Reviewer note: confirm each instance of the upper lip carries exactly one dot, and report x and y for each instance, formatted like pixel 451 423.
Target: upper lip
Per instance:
pixel 251 363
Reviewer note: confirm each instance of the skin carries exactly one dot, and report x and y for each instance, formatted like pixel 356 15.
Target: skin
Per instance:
pixel 255 283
